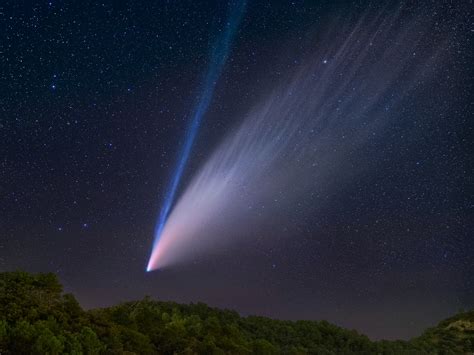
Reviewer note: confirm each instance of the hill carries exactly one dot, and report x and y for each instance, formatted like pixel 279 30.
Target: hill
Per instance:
pixel 37 318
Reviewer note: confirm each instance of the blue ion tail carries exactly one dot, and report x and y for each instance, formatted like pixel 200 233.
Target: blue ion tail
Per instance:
pixel 219 55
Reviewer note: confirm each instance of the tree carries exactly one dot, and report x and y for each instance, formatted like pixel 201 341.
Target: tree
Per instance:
pixel 264 347
pixel 4 329
pixel 47 343
pixel 37 319
pixel 90 343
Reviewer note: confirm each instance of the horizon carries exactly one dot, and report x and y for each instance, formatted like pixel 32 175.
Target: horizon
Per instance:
pixel 303 159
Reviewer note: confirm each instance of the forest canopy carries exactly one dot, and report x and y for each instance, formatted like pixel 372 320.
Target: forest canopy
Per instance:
pixel 36 317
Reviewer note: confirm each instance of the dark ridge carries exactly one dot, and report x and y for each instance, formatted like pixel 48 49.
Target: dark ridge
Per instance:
pixel 37 318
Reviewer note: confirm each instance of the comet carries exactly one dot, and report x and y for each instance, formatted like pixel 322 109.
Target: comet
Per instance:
pixel 299 142
pixel 218 58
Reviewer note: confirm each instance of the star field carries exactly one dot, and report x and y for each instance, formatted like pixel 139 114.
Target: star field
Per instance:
pixel 94 103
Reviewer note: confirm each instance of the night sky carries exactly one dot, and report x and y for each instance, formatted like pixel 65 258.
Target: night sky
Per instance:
pixel 95 102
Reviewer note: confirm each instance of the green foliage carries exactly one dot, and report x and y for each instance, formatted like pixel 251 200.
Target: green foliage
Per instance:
pixel 3 335
pixel 36 318
pixel 46 342
pixel 454 335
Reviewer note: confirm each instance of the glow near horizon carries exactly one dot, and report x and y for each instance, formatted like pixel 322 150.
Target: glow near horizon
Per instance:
pixel 219 56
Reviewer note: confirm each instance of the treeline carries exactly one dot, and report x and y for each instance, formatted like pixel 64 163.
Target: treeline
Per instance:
pixel 37 318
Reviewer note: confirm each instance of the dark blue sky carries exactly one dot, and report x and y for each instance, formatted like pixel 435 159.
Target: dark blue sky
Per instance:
pixel 94 105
